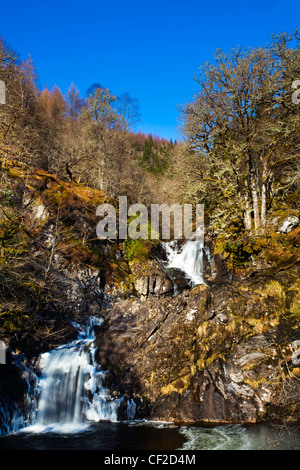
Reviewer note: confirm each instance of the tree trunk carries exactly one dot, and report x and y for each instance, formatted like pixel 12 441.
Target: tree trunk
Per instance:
pixel 264 195
pixel 254 192
pixel 247 212
pixel 263 215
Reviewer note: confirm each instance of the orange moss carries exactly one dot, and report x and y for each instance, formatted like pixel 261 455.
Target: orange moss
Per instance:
pixel 54 190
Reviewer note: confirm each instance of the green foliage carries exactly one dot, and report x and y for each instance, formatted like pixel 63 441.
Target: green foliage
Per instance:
pixel 139 248
pixel 239 250
pixel 136 249
pixel 153 154
pixel 7 197
pixel 9 229
pixel 239 256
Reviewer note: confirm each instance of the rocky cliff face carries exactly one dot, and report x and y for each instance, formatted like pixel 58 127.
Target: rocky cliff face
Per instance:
pixel 222 354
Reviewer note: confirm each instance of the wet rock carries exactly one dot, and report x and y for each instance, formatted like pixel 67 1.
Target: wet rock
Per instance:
pixel 17 382
pixel 83 290
pixel 288 224
pixel 222 318
pixel 179 280
pixel 149 278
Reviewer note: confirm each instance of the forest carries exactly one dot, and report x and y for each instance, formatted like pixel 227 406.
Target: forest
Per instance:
pixel 239 153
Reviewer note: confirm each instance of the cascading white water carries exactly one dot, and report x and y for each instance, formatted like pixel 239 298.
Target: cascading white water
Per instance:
pixel 188 258
pixel 64 373
pixel 72 388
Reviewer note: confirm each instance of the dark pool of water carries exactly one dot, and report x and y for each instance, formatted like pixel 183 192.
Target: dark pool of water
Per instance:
pixel 156 436
pixel 101 436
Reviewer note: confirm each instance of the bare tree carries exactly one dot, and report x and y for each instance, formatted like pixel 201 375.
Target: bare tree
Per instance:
pixel 128 111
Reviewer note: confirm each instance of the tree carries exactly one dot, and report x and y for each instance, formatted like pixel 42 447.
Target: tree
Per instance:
pixel 50 114
pixel 74 102
pixel 17 115
pixel 93 88
pixel 243 125
pixel 100 109
pixel 100 128
pixel 128 111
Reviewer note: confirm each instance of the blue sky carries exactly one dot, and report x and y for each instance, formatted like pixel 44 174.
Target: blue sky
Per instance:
pixel 150 49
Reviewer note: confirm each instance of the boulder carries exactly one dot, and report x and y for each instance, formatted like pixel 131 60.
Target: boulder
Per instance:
pixel 150 278
pixel 36 211
pixel 179 280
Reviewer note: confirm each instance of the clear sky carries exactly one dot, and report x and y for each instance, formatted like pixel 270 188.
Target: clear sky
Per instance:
pixel 150 49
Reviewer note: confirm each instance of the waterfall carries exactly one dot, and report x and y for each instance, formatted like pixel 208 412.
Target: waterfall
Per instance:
pixel 188 258
pixel 62 386
pixel 72 390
